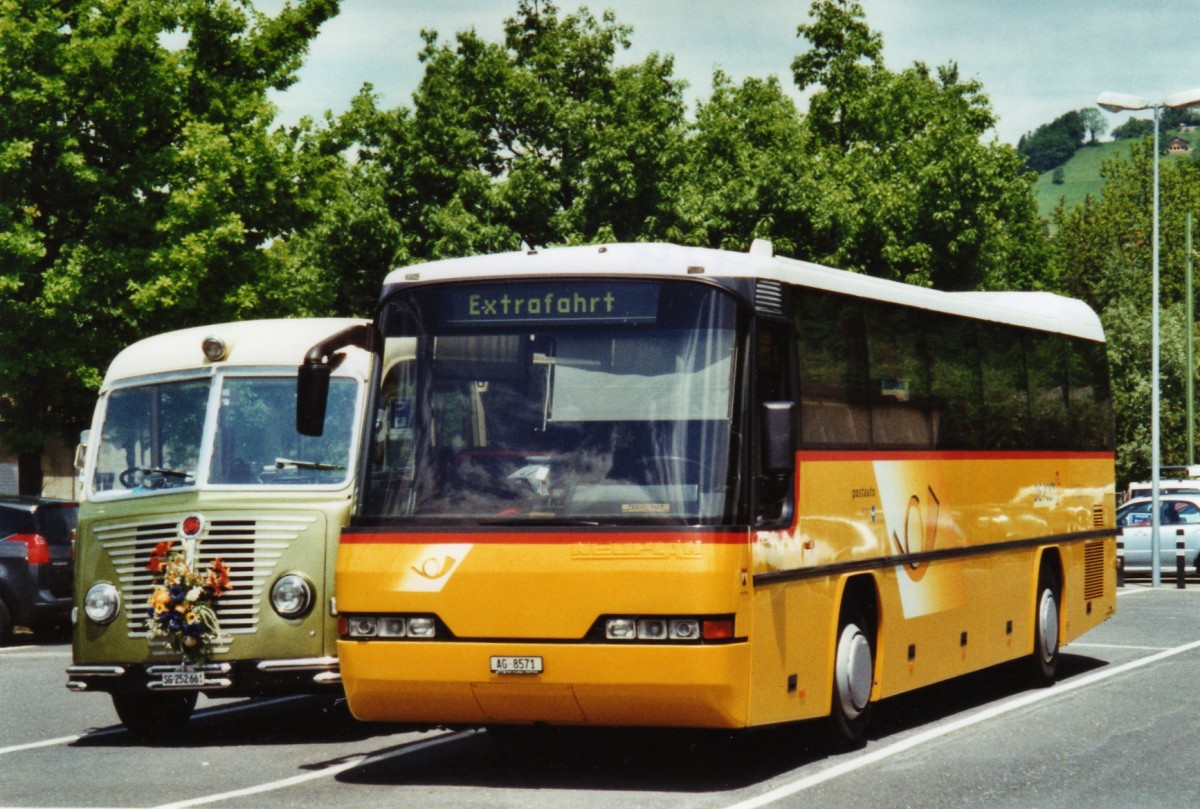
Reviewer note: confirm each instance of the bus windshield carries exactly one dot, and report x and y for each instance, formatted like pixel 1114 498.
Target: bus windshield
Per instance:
pixel 159 436
pixel 555 401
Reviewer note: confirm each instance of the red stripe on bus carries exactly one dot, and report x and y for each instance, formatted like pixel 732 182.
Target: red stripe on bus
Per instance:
pixel 351 536
pixel 949 455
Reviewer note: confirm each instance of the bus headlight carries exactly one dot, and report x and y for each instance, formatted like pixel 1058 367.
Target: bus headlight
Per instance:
pixel 102 603
pixel 292 595
pixel 665 629
pixel 390 627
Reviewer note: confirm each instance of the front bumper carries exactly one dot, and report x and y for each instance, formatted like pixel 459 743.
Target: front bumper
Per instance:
pixel 230 679
pixel 585 684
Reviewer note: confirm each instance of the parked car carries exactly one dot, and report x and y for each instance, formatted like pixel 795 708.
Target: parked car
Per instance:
pixel 1179 518
pixel 1165 486
pixel 36 563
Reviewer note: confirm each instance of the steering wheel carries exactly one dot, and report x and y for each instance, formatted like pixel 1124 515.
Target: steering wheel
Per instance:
pixel 130 478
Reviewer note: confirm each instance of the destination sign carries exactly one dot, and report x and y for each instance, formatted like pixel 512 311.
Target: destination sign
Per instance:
pixel 528 304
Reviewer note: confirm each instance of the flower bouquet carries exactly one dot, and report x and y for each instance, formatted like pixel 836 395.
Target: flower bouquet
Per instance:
pixel 181 604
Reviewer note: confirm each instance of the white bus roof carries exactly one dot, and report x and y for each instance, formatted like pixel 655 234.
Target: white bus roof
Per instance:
pixel 281 342
pixel 1036 310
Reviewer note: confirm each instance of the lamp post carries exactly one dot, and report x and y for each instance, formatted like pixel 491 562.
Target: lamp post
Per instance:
pixel 1115 102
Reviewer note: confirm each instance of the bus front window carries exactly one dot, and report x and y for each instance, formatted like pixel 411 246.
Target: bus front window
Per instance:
pixel 257 445
pixel 151 437
pixel 543 418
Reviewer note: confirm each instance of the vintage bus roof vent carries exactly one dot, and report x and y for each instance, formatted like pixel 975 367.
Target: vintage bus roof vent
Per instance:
pixel 768 297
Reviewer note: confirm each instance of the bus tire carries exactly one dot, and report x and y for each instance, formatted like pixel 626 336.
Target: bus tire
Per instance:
pixel 151 714
pixel 1043 662
pixel 853 678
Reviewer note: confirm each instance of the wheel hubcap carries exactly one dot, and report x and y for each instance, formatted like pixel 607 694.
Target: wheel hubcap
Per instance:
pixel 854 671
pixel 1048 624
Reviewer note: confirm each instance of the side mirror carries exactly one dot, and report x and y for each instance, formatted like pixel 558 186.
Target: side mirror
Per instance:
pixel 779 451
pixel 312 396
pixel 312 377
pixel 81 449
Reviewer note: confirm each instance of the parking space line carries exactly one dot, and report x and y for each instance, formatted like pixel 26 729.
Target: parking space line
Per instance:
pixel 933 734
pixel 1078 645
pixel 333 769
pixel 199 715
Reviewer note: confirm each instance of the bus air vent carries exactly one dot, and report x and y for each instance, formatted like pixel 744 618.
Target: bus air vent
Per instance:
pixel 1098 516
pixel 1093 570
pixel 768 298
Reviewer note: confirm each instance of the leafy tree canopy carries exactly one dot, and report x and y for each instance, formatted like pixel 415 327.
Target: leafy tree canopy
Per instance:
pixel 138 182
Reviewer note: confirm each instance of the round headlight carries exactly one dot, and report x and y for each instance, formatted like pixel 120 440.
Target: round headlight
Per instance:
pixel 291 596
pixel 102 602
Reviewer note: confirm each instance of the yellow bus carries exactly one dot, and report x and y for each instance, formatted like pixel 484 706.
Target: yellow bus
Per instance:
pixel 650 485
pixel 193 456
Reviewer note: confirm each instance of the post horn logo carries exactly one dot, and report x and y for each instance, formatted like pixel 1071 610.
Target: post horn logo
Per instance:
pixel 434 568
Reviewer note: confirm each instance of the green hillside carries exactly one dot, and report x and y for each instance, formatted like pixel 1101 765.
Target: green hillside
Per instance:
pixel 1081 175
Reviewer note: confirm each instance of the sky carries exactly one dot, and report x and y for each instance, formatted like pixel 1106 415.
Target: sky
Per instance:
pixel 1036 59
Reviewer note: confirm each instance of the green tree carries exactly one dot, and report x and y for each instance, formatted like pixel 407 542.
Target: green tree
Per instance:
pixel 138 182
pixel 1094 121
pixel 917 192
pixel 747 172
pixel 1102 251
pixel 539 139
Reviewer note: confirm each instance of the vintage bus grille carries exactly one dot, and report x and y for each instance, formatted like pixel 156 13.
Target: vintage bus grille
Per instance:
pixel 1093 570
pixel 1097 516
pixel 250 547
pixel 768 297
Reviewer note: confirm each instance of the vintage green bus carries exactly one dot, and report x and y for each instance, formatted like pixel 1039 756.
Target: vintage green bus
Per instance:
pixel 193 457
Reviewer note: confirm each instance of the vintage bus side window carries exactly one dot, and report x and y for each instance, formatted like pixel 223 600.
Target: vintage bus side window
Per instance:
pixel 832 358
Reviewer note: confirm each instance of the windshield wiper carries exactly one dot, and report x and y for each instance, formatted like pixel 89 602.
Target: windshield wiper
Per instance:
pixel 281 463
pixel 158 470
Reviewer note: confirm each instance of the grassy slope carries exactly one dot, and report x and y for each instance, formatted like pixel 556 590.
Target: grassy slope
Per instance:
pixel 1081 175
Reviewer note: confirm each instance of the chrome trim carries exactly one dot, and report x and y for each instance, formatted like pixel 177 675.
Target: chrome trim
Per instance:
pixel 95 671
pixel 207 668
pixel 328 678
pixel 298 664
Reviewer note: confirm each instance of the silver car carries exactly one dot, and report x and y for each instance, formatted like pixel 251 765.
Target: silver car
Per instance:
pixel 1179 519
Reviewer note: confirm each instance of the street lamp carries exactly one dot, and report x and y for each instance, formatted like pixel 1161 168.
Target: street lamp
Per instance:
pixel 1115 102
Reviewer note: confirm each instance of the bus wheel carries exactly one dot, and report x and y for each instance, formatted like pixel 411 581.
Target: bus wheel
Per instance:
pixel 1043 663
pixel 151 714
pixel 853 676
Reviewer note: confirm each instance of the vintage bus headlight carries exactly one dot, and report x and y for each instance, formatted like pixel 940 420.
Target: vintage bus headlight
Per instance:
pixel 292 596
pixel 102 603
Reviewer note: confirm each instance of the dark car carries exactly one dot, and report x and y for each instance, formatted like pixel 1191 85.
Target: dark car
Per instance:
pixel 35 563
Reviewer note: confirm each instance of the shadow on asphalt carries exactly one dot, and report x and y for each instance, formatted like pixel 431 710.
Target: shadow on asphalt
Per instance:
pixel 676 760
pixel 294 721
